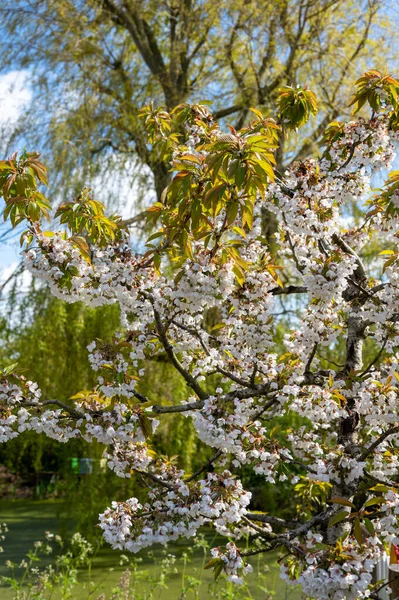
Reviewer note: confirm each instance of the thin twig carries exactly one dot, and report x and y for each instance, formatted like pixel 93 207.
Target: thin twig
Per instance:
pixel 262 518
pixel 378 441
pixel 205 467
pixel 376 358
pixel 156 479
pixel 310 359
pixel 190 380
pixel 379 480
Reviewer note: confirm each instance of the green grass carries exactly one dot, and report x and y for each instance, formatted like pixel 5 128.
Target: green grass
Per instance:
pixel 28 520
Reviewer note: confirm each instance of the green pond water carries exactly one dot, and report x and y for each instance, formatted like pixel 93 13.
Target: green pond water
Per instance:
pixel 29 520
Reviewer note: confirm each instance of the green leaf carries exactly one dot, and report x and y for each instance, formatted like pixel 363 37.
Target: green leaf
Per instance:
pixel 369 526
pixel 155 235
pixel 157 261
pixel 178 276
pixel 145 424
pixel 232 211
pixel 217 565
pixel 343 501
pixel 213 562
pixel 379 488
pixel 82 245
pixel 357 531
pixel 267 168
pixel 8 370
pixel 190 158
pixel 338 517
pixel 238 230
pixel 239 274
pixel 257 113
pixel 388 263
pixel 247 214
pixel 218 571
pixel 218 327
pixel 374 501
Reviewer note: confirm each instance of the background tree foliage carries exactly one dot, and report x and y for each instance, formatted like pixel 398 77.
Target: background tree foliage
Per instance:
pixel 94 63
pixel 54 333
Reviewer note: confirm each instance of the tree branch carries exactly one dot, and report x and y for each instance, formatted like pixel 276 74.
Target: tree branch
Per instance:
pixel 263 518
pixel 378 441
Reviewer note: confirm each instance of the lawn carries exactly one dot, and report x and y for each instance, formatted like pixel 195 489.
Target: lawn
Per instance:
pixel 28 520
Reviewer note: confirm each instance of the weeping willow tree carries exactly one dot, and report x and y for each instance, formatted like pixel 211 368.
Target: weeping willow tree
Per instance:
pixel 92 64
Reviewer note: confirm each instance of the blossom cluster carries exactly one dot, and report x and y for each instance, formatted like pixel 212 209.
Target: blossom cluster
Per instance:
pixel 232 427
pixel 176 509
pixel 346 575
pixel 233 563
pixel 24 412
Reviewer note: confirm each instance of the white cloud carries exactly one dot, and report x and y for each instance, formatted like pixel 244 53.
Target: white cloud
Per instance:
pixel 15 94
